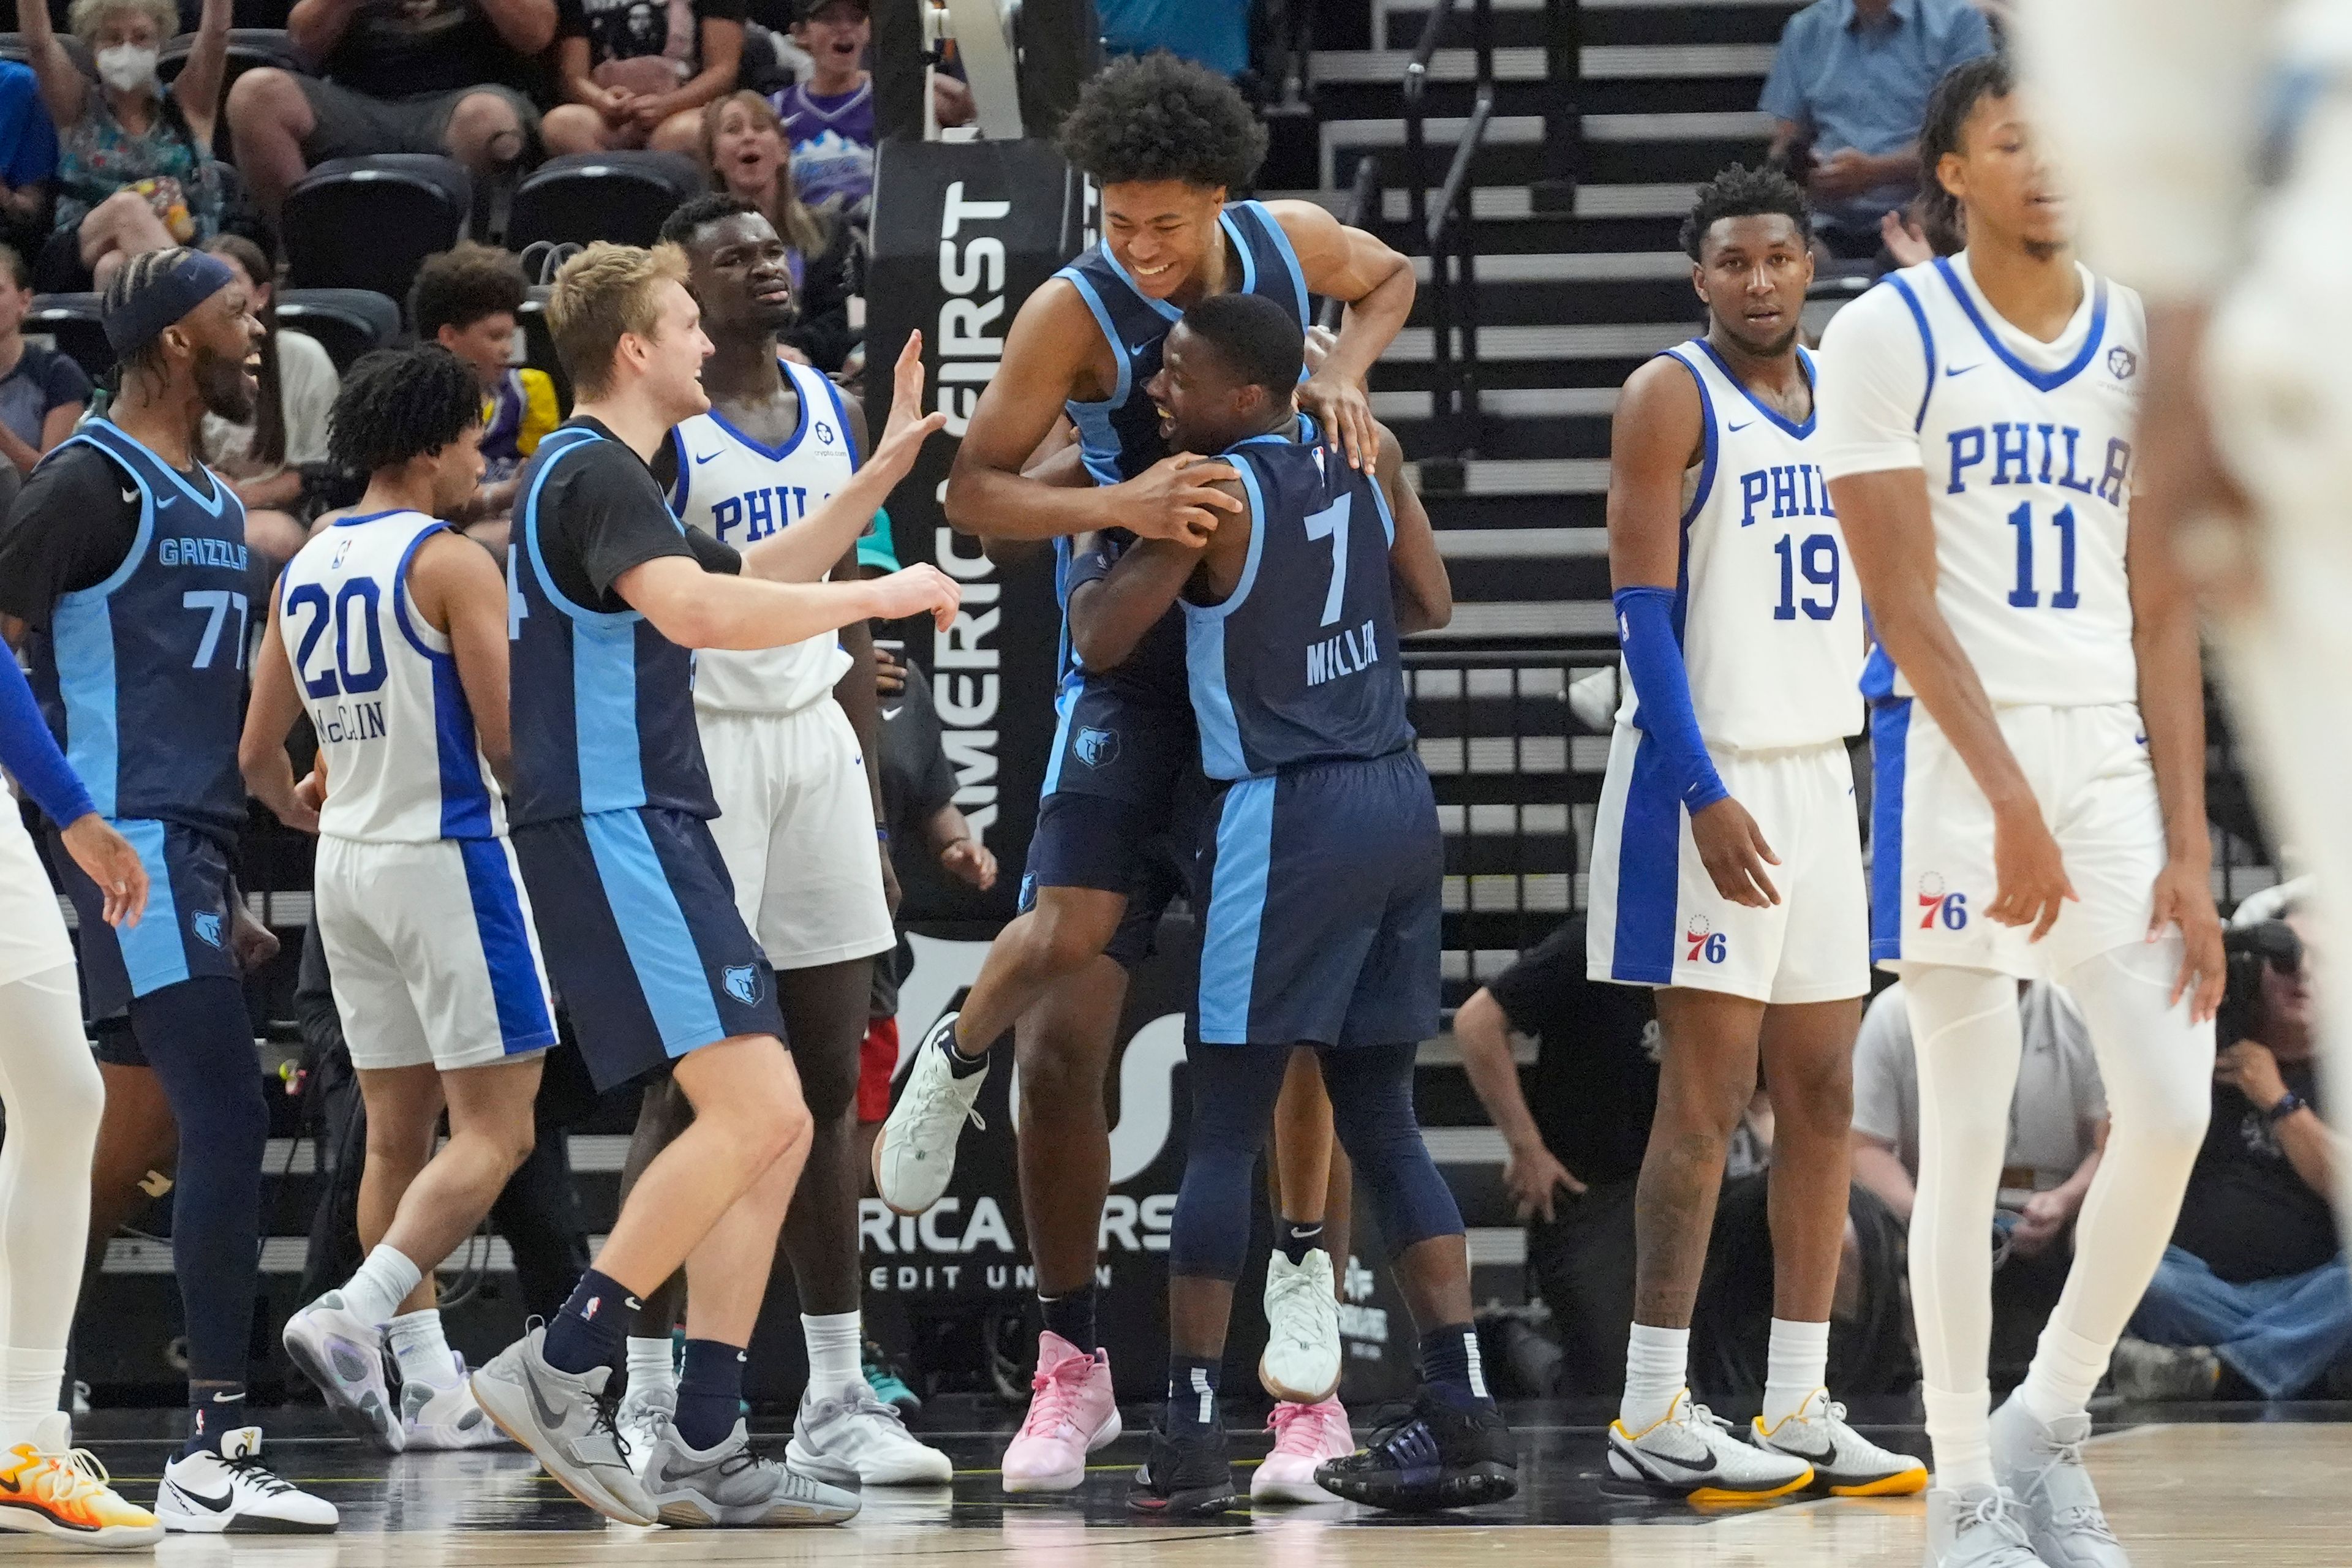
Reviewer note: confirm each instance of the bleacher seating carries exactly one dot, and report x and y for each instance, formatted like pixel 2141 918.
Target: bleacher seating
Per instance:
pixel 619 196
pixel 347 322
pixel 369 223
pixel 73 323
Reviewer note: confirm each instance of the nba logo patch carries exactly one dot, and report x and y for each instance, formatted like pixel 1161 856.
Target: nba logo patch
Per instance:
pixel 207 927
pixel 742 982
pixel 1097 748
pixel 340 550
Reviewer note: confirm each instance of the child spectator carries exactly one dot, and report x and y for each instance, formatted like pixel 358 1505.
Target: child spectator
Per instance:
pixel 465 300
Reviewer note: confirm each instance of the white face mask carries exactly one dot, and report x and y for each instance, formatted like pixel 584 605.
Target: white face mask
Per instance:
pixel 126 68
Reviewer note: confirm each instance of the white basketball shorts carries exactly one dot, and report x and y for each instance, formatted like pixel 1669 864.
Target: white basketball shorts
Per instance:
pixel 433 952
pixel 32 930
pixel 1931 838
pixel 796 829
pixel 1655 918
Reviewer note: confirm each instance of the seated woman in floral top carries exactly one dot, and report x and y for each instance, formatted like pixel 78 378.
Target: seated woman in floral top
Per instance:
pixel 135 170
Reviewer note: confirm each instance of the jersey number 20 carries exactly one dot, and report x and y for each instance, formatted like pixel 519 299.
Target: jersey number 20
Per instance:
pixel 338 675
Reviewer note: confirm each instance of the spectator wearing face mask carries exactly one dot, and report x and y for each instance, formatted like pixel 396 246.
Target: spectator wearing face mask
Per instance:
pixel 135 169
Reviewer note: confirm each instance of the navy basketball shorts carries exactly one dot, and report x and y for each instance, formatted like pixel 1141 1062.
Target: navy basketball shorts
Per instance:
pixel 1122 791
pixel 1323 889
pixel 636 918
pixel 184 933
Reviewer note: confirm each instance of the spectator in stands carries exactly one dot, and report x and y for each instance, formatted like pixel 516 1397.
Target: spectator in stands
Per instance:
pixel 1846 94
pixel 42 391
pixel 638 74
pixel 1213 33
pixel 263 462
pixel 2057 1125
pixel 743 142
pixel 829 117
pixel 2253 1296
pixel 468 300
pixel 415 76
pixel 28 158
pixel 135 168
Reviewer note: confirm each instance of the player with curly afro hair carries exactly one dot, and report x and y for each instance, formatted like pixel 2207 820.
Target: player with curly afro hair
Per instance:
pixel 400 405
pixel 1171 146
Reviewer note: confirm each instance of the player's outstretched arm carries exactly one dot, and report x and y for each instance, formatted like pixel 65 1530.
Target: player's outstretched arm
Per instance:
pixel 1660 425
pixel 1046 358
pixel 1113 606
pixel 1418 583
pixel 457 587
pixel 1376 284
pixel 694 608
pixel 269 715
pixel 2172 712
pixel 806 550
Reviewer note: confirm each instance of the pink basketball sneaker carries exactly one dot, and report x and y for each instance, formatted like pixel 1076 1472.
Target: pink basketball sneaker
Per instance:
pixel 1304 1435
pixel 1072 1412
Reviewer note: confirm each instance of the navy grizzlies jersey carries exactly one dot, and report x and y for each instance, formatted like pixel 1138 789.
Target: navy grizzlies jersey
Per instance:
pixel 603 704
pixel 1121 436
pixel 1300 663
pixel 142 676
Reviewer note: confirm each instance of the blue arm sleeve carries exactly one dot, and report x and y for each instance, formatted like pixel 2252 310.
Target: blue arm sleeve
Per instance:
pixel 29 753
pixel 1653 663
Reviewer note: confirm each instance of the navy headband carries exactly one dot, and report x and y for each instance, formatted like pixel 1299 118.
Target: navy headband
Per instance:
pixel 140 319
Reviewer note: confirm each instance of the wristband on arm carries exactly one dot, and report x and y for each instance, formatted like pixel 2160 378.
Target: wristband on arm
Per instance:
pixel 30 754
pixel 1653 663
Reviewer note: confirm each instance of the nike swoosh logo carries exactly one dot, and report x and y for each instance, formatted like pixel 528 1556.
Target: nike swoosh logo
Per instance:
pixel 1743 425
pixel 550 1419
pixel 1952 370
pixel 634 1305
pixel 701 457
pixel 228 1398
pixel 2139 739
pixel 214 1505
pixel 9 1484
pixel 130 496
pixel 892 713
pixel 1686 1465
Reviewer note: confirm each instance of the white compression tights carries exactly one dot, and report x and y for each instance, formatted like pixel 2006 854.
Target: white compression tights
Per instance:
pixel 2157 1067
pixel 53 1096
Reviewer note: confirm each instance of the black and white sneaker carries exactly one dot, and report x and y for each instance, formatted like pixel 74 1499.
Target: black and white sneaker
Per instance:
pixel 1845 1463
pixel 1188 1475
pixel 234 1493
pixel 1437 1457
pixel 1692 1455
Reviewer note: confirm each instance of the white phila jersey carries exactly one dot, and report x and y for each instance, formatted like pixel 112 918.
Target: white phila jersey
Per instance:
pixel 740 491
pixel 1771 626
pixel 403 764
pixel 2027 450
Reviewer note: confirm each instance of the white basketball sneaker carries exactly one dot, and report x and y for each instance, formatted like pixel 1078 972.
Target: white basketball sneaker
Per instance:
pixel 643 1411
pixel 233 1492
pixel 1691 1453
pixel 1976 1527
pixel 2041 1465
pixel 1301 1364
pixel 445 1415
pixel 1845 1463
pixel 914 1156
pixel 855 1434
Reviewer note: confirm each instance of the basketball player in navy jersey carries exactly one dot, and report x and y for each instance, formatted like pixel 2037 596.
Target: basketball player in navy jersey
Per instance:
pixel 1168 141
pixel 127 558
pixel 610 812
pixel 788 735
pixel 1319 882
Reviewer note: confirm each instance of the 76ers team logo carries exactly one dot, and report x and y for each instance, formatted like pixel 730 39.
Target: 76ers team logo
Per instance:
pixel 1706 942
pixel 1938 904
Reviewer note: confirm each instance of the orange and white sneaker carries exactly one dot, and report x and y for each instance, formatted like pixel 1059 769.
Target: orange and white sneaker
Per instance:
pixel 49 1488
pixel 1845 1463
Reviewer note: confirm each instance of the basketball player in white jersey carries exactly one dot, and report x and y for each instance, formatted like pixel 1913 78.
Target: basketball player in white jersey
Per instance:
pixel 2040 810
pixel 794 771
pixel 2173 112
pixel 390 631
pixel 1727 863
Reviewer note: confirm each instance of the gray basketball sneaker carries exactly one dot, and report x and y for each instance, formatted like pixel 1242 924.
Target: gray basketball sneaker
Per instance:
pixel 730 1485
pixel 561 1418
pixel 1976 1527
pixel 342 1355
pixel 2042 1467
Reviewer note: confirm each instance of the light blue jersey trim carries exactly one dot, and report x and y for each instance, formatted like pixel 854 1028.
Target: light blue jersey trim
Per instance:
pixel 529 512
pixel 154 952
pixel 604 716
pixel 1066 702
pixel 653 928
pixel 1229 941
pixel 81 641
pixel 1097 440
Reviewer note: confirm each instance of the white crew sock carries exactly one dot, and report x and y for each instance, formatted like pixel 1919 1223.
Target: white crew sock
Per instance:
pixel 30 1380
pixel 835 1345
pixel 1796 1365
pixel 419 1349
pixel 374 1294
pixel 1657 1370
pixel 651 1365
